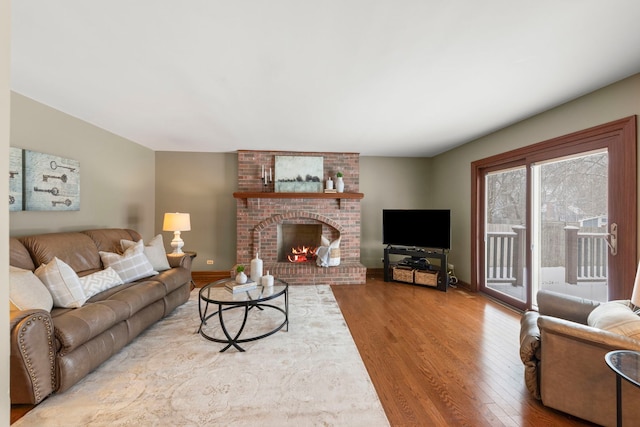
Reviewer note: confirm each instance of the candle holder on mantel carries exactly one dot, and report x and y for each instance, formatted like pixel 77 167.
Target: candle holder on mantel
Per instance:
pixel 266 178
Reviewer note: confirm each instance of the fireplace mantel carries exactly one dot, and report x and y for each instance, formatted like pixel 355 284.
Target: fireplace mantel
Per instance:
pixel 272 195
pixel 246 195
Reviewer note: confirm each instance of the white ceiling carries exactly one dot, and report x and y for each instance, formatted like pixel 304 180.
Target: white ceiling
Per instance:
pixel 378 77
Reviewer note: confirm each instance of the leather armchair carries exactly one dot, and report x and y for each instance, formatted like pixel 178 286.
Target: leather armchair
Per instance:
pixel 564 359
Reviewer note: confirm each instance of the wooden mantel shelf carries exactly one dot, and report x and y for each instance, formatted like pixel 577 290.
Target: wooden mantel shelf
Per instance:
pixel 246 195
pixel 267 195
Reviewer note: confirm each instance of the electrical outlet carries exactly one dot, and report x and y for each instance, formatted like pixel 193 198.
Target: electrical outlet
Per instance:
pixel 209 262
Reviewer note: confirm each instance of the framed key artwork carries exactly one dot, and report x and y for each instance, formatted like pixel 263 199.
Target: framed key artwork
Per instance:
pixel 51 183
pixel 15 179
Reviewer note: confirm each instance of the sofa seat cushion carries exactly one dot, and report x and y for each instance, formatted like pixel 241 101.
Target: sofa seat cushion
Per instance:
pixel 616 317
pixel 74 328
pixel 173 279
pixel 140 295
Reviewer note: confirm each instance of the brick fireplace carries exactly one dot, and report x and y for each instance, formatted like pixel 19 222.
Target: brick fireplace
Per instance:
pixel 261 213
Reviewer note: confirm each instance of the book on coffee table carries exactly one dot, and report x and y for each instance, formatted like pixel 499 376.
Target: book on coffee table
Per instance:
pixel 241 287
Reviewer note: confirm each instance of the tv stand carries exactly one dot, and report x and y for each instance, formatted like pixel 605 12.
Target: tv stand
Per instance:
pixel 443 277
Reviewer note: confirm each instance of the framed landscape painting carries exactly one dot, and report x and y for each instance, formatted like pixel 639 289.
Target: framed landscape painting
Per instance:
pixel 299 174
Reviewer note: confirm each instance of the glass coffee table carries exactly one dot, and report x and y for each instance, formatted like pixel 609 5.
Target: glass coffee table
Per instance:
pixel 626 364
pixel 215 296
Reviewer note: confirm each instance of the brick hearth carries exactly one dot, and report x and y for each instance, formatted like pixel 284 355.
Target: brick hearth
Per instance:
pixel 258 216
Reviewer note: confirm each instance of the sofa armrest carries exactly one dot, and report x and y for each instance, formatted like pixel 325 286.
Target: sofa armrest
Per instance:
pixel 574 377
pixel 587 335
pixel 566 307
pixel 32 356
pixel 184 261
pixel 530 351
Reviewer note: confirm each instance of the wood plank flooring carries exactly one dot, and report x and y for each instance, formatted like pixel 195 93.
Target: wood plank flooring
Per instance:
pixel 442 359
pixel 436 358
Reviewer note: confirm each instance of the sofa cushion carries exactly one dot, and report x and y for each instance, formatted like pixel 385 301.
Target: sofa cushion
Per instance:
pixel 27 292
pixel 77 250
pixel 108 239
pixel 616 317
pixel 63 283
pixel 131 265
pixel 173 278
pixel 100 281
pixel 74 328
pixel 154 251
pixel 19 255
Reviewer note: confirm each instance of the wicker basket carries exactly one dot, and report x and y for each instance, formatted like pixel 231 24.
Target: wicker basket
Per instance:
pixel 429 278
pixel 403 274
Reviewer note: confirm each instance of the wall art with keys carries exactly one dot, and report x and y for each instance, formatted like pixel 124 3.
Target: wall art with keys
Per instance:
pixel 15 179
pixel 51 183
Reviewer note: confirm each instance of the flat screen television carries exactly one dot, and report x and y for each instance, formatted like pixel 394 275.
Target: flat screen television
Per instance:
pixel 422 228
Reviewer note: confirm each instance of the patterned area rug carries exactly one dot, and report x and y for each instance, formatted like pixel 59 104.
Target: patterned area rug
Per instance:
pixel 171 376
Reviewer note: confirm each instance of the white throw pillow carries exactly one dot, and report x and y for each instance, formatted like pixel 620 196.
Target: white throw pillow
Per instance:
pixel 131 265
pixel 329 253
pixel 100 281
pixel 27 292
pixel 63 283
pixel 154 251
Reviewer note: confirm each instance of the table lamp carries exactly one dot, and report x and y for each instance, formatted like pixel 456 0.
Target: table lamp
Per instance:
pixel 176 222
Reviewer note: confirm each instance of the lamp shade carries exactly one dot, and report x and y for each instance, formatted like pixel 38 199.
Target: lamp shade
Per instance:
pixel 176 222
pixel 635 297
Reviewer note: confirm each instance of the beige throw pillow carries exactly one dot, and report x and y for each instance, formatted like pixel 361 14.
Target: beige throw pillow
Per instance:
pixel 131 265
pixel 100 281
pixel 27 292
pixel 616 317
pixel 154 251
pixel 63 283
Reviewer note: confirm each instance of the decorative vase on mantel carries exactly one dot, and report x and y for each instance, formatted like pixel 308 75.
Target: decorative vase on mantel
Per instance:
pixel 339 183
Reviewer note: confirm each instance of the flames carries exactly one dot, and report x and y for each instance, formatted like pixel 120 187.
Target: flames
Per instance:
pixel 302 254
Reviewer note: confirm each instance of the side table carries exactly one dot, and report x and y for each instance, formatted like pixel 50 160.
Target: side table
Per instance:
pixel 625 364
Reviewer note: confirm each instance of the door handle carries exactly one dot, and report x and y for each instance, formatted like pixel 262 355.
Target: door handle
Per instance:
pixel 612 239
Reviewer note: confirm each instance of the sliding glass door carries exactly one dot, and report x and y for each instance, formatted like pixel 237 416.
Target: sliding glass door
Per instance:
pixel 559 215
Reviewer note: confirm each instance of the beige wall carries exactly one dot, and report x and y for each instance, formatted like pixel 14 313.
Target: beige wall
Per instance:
pixel 201 184
pixel 389 183
pixel 117 176
pixel 451 171
pixel 5 105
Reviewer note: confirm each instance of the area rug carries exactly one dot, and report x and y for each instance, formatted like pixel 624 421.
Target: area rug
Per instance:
pixel 310 375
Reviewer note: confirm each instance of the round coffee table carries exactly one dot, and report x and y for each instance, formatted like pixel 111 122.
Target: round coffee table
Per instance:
pixel 223 300
pixel 625 364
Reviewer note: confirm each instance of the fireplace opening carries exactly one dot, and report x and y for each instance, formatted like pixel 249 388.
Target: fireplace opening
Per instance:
pixel 298 242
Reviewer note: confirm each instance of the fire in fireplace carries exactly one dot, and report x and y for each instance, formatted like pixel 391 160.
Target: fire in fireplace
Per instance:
pixel 302 254
pixel 298 242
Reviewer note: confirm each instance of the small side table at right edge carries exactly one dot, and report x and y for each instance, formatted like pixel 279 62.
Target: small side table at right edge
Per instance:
pixel 626 364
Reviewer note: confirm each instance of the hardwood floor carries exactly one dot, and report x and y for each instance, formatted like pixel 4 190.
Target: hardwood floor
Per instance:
pixel 442 359
pixel 436 358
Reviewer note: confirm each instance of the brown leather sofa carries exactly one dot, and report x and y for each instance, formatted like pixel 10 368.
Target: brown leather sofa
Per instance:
pixel 563 356
pixel 51 351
